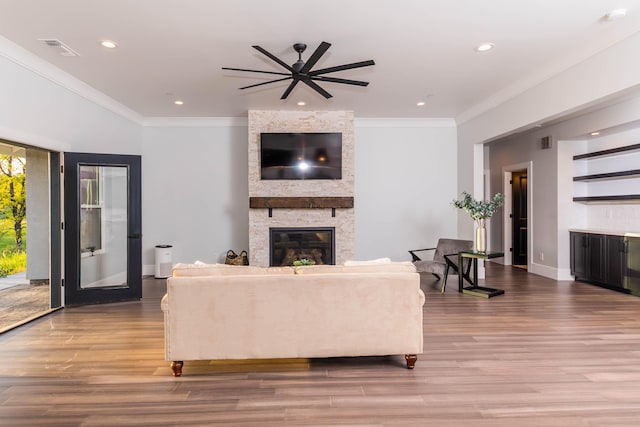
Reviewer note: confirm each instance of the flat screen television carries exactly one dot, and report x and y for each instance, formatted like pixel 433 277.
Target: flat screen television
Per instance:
pixel 301 155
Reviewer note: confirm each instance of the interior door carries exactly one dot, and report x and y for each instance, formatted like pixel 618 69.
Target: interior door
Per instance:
pixel 102 227
pixel 519 209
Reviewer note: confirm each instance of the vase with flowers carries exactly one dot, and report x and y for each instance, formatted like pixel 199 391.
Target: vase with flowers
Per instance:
pixel 480 211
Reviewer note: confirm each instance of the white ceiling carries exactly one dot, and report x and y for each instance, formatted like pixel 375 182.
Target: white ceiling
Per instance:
pixel 423 49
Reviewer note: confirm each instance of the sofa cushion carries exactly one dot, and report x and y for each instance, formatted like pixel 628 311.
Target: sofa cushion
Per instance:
pixel 391 267
pixel 199 269
pixel 369 262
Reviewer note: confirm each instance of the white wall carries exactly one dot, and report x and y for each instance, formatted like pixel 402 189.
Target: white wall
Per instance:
pixel 554 211
pixel 195 190
pixel 541 187
pixel 611 72
pixel 42 113
pixel 405 182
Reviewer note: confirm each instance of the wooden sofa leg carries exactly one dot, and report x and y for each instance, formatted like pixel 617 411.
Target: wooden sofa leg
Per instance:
pixel 176 367
pixel 411 360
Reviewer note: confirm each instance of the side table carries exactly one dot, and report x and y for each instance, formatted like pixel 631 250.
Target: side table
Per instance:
pixel 474 289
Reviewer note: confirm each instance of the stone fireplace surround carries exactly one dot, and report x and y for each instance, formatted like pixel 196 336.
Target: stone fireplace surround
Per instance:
pixel 321 194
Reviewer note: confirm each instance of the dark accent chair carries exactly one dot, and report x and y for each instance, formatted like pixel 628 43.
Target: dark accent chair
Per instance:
pixel 444 258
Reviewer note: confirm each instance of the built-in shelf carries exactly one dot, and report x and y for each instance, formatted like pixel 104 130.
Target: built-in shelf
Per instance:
pixel 300 202
pixel 611 175
pixel 609 152
pixel 629 198
pixel 615 175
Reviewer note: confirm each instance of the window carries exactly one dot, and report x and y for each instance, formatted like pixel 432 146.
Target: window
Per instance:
pixel 91 206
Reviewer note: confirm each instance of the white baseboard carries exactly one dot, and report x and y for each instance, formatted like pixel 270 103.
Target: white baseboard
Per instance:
pixel 550 272
pixel 148 270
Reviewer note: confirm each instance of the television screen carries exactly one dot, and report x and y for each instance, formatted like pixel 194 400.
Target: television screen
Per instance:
pixel 301 155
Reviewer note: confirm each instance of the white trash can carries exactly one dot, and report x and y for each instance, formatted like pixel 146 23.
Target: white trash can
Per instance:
pixel 163 261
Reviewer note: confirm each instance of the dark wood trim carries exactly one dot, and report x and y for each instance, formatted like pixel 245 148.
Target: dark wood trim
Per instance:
pixel 621 198
pixel 609 152
pixel 300 202
pixel 610 175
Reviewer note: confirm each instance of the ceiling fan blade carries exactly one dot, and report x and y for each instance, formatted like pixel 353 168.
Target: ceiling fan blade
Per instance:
pixel 336 80
pixel 324 46
pixel 265 83
pixel 342 67
pixel 317 88
pixel 289 89
pixel 256 71
pixel 273 57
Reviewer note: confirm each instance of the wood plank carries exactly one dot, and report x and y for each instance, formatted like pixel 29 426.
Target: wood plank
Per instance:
pixel 300 202
pixel 546 353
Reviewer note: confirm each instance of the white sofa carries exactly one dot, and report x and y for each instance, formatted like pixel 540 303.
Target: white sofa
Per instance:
pixel 246 312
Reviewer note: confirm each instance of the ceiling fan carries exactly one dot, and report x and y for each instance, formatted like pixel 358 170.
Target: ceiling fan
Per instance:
pixel 301 71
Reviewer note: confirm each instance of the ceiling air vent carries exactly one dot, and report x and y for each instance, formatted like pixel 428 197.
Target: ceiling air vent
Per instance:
pixel 60 47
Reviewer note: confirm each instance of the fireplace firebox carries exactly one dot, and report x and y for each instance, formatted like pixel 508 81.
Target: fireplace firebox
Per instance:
pixel 315 244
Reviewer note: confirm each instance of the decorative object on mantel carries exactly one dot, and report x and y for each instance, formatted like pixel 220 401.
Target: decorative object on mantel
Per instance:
pixel 301 71
pixel 235 259
pixel 303 261
pixel 480 211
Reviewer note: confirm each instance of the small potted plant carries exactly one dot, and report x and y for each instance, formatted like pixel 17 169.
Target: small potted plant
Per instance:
pixel 480 211
pixel 303 261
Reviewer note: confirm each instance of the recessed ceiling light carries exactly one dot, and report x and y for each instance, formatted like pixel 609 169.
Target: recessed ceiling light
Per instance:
pixel 302 103
pixel 595 133
pixel 108 44
pixel 616 14
pixel 420 103
pixel 178 102
pixel 484 47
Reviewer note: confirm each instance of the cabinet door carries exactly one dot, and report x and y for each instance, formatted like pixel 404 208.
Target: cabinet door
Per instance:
pixel 633 265
pixel 596 258
pixel 578 257
pixel 616 261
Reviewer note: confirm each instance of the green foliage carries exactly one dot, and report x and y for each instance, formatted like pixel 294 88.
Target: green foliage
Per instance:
pixel 479 209
pixel 12 262
pixel 303 261
pixel 13 204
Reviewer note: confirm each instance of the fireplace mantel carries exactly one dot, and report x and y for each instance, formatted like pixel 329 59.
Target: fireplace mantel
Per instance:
pixel 300 202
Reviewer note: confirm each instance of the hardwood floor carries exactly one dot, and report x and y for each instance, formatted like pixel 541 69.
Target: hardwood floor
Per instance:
pixel 544 354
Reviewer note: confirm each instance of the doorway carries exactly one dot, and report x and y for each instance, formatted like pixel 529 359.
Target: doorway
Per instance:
pixel 103 240
pixel 519 218
pixel 30 273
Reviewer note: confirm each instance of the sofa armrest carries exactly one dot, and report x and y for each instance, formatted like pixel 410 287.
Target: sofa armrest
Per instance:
pixel 164 304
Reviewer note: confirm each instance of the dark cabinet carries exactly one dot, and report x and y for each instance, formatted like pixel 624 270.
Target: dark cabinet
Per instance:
pixel 616 261
pixel 579 255
pixel 599 259
pixel 632 267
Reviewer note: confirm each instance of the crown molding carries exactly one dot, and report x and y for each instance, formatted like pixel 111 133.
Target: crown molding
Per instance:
pixel 405 122
pixel 42 68
pixel 195 122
